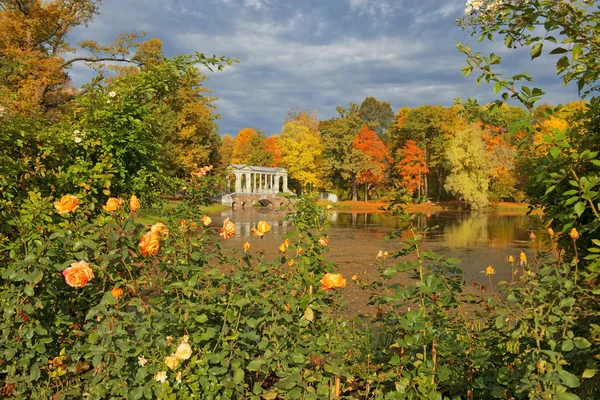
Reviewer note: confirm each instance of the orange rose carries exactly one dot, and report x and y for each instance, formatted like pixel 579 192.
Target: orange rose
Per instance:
pixel 116 292
pixel 332 281
pixel 256 233
pixel 160 229
pixel 263 227
pixel 112 204
pixel 323 241
pixel 149 244
pixel 246 246
pixel 134 203
pixel 66 204
pixel 228 229
pixel 574 234
pixel 78 274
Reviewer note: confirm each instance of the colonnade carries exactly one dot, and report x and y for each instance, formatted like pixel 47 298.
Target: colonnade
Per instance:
pixel 259 182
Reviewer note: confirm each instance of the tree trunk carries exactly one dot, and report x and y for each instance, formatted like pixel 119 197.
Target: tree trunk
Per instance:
pixel 440 183
pixel 354 191
pixel 366 192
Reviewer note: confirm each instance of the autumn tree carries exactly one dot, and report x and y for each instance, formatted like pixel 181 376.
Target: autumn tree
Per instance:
pixel 431 127
pixel 243 146
pixel 226 150
pixel 342 158
pixel 411 166
pixel 377 115
pixel 259 155
pixel 376 159
pixel 272 144
pixel 301 155
pixel 468 177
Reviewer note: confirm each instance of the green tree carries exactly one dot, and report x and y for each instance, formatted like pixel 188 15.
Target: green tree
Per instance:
pixel 468 177
pixel 377 115
pixel 342 158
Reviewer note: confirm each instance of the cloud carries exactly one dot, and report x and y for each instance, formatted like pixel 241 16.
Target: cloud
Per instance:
pixel 317 54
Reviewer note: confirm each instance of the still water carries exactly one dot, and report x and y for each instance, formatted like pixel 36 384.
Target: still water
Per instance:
pixel 355 238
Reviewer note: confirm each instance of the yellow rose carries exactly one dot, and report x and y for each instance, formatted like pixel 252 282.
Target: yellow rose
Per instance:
pixel 333 281
pixel 160 230
pixel 246 246
pixel 283 248
pixel 263 227
pixel 574 234
pixel 134 203
pixel 149 244
pixel 184 351
pixel 256 233
pixel 171 361
pixel 78 274
pixel 523 258
pixel 228 229
pixel 206 220
pixel 550 232
pixel 112 204
pixel 116 292
pixel 511 259
pixel 490 270
pixel 66 204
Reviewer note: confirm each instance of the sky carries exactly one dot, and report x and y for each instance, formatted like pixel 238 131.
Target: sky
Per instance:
pixel 318 54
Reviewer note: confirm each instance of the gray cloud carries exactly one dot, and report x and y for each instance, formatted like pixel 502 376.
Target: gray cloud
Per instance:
pixel 317 54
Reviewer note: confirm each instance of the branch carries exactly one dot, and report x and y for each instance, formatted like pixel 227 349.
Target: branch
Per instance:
pixel 96 59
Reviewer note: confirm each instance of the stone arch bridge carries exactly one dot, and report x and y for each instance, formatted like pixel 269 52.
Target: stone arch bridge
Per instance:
pixel 252 184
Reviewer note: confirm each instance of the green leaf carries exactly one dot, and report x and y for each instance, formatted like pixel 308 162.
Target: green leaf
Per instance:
pixel 588 373
pixel 579 208
pixel 566 396
pixel 581 343
pixel 569 379
pixel 497 87
pixel 554 152
pixel 576 52
pixel 255 365
pixel 536 50
pixel 238 376
pixel 309 314
pixel 567 345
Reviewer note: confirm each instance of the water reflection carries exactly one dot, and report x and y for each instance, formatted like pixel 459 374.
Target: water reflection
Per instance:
pixel 479 239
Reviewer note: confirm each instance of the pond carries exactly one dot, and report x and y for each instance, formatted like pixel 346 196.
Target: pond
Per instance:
pixel 355 238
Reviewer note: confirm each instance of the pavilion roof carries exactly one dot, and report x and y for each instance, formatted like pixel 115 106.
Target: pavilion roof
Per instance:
pixel 254 168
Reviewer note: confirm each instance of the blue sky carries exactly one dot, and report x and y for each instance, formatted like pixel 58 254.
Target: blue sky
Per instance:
pixel 318 54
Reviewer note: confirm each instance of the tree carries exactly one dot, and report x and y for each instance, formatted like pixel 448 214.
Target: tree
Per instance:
pixel 243 146
pixel 411 166
pixel 259 155
pixel 226 150
pixel 273 146
pixel 431 127
pixel 377 115
pixel 468 177
pixel 376 158
pixel 342 158
pixel 301 155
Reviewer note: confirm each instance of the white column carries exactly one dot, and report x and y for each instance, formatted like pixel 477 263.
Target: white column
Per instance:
pixel 285 188
pixel 276 185
pixel 247 185
pixel 238 182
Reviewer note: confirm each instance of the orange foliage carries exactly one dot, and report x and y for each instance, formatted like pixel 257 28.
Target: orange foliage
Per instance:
pixel 412 166
pixel 273 146
pixel 376 154
pixel 242 147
